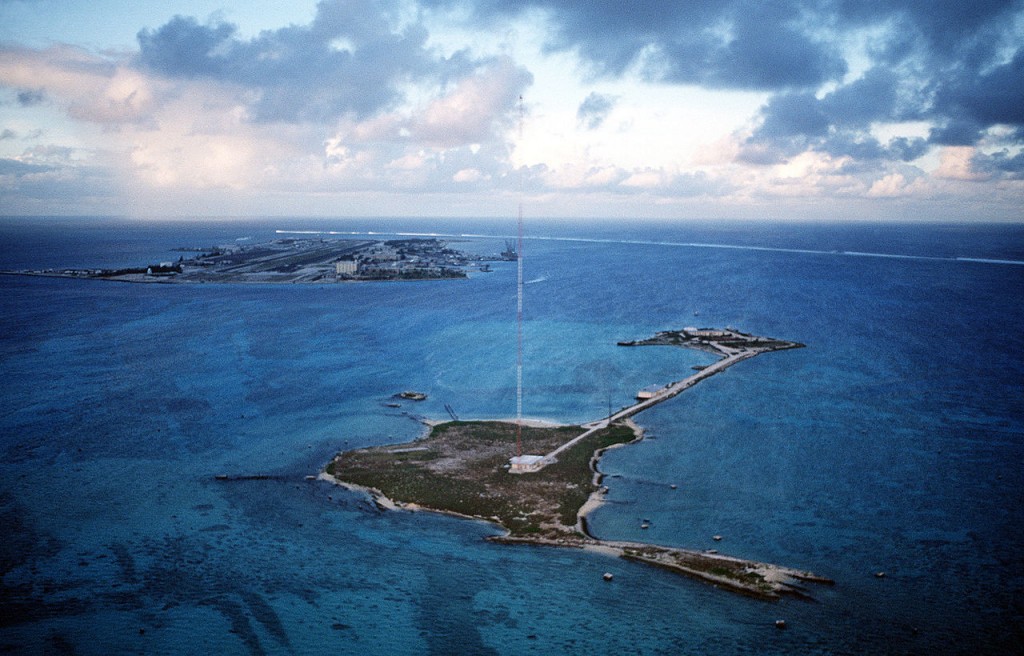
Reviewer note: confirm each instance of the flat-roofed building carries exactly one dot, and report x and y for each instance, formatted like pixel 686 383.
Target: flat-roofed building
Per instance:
pixel 345 267
pixel 649 392
pixel 524 464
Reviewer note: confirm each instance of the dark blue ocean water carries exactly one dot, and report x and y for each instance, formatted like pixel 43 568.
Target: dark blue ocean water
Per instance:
pixel 894 442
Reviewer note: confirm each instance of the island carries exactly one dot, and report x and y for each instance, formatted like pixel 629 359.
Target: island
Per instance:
pixel 299 261
pixel 464 468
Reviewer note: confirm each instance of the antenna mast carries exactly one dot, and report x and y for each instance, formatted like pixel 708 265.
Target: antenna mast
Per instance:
pixel 519 305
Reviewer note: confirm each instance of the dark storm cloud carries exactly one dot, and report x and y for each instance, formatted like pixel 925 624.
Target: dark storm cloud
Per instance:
pixel 906 150
pixel 185 48
pixel 949 30
pixel 955 132
pixel 863 147
pixel 1001 164
pixel 350 59
pixel 878 94
pixel 988 98
pixel 944 63
pixel 765 49
pixel 958 65
pixel 838 122
pixel 793 115
pixel 797 124
pixel 594 110
pixel 716 43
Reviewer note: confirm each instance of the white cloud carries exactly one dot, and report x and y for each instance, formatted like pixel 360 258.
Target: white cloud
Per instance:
pixel 955 164
pixel 473 111
pixel 468 175
pixel 891 186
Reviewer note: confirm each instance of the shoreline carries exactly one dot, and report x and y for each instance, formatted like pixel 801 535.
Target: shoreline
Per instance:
pixel 757 579
pixel 198 282
pixel 596 498
pixel 765 581
pixel 292 261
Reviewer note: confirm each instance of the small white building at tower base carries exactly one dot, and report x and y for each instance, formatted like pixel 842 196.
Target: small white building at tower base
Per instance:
pixel 525 464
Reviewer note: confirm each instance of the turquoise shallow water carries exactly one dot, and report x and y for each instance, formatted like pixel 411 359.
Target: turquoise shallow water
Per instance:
pixel 894 441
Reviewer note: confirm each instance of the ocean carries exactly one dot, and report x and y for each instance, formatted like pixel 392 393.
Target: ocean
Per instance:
pixel 894 442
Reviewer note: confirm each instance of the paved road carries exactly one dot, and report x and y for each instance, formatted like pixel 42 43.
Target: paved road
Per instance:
pixel 663 394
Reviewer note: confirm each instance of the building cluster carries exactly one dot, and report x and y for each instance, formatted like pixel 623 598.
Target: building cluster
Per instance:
pixel 705 333
pixel 402 259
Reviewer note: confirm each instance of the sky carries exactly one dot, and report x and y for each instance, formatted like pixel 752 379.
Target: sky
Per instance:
pixel 813 110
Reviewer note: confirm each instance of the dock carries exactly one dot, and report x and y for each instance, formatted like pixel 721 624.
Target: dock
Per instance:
pixel 733 345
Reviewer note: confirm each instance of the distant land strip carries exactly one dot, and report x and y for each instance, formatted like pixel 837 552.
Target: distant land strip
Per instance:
pixel 289 260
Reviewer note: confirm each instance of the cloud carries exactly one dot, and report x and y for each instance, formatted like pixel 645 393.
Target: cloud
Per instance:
pixel 17 168
pixel 50 154
pixel 983 99
pixel 841 98
pixel 956 163
pixel 88 87
pixel 30 97
pixel 449 142
pixel 467 175
pixel 471 110
pixel 760 46
pixel 794 115
pixel 354 100
pixel 906 149
pixel 955 132
pixel 353 58
pixel 1001 164
pixel 958 66
pixel 595 109
pixel 475 109
pixel 839 122
pixel 52 178
pixel 893 185
pixel 718 43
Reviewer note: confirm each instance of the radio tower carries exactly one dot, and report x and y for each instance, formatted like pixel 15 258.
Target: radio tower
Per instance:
pixel 520 464
pixel 519 305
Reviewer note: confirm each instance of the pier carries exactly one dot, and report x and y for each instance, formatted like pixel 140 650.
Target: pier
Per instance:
pixel 733 345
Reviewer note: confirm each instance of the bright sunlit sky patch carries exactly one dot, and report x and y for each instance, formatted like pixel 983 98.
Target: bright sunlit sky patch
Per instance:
pixel 799 109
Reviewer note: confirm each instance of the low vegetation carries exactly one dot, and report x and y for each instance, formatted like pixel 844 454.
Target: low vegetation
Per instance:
pixel 462 467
